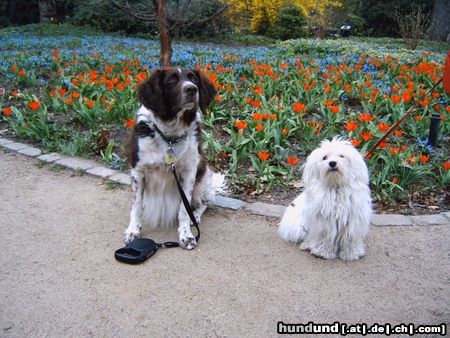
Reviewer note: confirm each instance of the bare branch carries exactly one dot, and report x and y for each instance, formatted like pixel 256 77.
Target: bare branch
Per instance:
pixel 145 16
pixel 412 27
pixel 193 22
pixel 190 22
pixel 91 4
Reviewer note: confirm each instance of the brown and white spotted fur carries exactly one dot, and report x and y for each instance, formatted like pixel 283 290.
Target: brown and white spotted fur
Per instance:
pixel 170 101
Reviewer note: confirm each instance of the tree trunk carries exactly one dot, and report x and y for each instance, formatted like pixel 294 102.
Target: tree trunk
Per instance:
pixel 11 10
pixel 165 41
pixel 47 11
pixel 440 21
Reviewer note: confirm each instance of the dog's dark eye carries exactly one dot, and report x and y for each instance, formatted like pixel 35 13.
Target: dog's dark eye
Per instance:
pixel 172 78
pixel 193 78
pixel 325 157
pixel 342 156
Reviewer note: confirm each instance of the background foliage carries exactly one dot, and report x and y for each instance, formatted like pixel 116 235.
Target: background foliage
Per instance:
pixel 368 17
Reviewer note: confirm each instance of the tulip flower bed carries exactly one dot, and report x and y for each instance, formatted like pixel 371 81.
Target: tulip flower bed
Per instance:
pixel 77 95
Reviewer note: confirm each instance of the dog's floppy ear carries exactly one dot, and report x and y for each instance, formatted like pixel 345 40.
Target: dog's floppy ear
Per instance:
pixel 359 171
pixel 150 94
pixel 206 90
pixel 310 171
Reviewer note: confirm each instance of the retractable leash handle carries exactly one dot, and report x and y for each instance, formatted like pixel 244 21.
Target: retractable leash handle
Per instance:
pixel 137 251
pixel 169 245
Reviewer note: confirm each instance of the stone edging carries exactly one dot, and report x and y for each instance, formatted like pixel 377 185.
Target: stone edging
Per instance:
pixel 257 208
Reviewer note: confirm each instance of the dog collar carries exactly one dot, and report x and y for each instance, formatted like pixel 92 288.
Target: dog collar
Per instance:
pixel 168 139
pixel 170 156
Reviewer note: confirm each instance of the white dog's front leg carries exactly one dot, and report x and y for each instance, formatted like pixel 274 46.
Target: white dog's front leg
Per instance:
pixel 187 240
pixel 137 186
pixel 325 248
pixel 352 249
pixel 352 244
pixel 321 240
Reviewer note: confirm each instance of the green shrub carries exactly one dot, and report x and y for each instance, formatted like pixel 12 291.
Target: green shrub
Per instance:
pixel 200 10
pixel 358 24
pixel 108 19
pixel 378 14
pixel 289 23
pixel 244 39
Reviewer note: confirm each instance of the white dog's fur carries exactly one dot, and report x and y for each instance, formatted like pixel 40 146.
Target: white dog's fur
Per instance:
pixel 331 217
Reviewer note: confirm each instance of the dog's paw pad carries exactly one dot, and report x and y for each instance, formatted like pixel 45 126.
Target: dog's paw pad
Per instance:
pixel 188 243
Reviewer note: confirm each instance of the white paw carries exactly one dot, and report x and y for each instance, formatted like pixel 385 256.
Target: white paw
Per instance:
pixel 188 242
pixel 197 216
pixel 304 246
pixel 326 253
pixel 352 255
pixel 131 233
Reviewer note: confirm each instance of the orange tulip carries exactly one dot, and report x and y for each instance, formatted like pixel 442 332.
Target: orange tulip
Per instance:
pixel 240 124
pixel 351 125
pixel 7 111
pixel 129 123
pixel 292 160
pixel 264 156
pixel 34 105
pixel 298 107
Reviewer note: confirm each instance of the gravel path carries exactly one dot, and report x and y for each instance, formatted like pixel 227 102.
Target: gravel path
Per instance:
pixel 58 277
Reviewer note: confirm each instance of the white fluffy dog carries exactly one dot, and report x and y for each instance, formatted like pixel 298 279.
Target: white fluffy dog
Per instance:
pixel 331 216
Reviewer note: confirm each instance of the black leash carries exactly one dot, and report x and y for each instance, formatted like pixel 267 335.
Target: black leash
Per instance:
pixel 188 209
pixel 186 203
pixel 170 160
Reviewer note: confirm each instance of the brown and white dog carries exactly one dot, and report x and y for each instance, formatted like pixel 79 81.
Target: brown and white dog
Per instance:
pixel 169 115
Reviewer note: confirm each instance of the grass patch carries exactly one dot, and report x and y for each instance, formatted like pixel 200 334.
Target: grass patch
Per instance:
pixel 56 168
pixel 112 185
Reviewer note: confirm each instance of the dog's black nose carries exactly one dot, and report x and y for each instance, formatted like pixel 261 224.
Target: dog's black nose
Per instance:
pixel 191 90
pixel 332 164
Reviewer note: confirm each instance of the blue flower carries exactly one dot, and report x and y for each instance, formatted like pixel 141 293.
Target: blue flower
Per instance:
pixel 424 143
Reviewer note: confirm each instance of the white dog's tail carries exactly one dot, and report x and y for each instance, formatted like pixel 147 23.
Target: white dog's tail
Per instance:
pixel 219 185
pixel 291 227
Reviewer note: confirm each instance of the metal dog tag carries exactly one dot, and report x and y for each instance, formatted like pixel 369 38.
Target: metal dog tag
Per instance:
pixel 170 157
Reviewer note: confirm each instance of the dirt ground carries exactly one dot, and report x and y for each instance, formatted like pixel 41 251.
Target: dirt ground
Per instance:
pixel 58 276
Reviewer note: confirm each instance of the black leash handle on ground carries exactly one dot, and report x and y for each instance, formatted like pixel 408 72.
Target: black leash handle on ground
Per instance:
pixel 395 126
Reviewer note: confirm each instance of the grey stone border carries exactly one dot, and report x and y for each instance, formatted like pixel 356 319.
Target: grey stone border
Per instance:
pixel 256 208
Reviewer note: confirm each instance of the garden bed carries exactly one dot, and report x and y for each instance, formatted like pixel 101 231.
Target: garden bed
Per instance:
pixel 76 95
